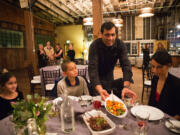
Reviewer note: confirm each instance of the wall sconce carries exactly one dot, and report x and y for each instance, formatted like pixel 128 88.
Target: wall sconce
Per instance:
pixel 146 12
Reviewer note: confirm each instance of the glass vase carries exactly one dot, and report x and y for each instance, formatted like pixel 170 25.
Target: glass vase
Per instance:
pixel 41 129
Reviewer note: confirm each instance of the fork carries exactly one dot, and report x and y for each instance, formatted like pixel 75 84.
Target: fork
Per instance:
pixel 112 95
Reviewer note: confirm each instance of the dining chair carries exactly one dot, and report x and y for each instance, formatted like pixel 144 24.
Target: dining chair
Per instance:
pixel 49 78
pixel 82 72
pixel 35 81
pixel 146 77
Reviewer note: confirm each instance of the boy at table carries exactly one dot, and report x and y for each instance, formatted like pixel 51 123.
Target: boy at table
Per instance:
pixel 72 83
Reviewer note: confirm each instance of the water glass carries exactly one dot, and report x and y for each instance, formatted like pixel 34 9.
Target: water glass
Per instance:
pixel 137 130
pixel 127 101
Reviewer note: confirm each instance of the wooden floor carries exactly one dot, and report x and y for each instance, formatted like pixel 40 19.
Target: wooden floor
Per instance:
pixel 24 85
pixel 137 86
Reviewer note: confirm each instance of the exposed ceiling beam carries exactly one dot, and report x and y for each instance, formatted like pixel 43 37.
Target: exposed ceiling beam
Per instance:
pixel 72 7
pixel 32 2
pixel 50 12
pixel 57 10
pixel 63 7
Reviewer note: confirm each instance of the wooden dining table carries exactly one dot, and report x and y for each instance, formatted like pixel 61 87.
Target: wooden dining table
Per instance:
pixel 53 125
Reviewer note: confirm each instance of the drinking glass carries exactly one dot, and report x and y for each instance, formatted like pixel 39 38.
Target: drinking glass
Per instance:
pixel 142 118
pixel 127 101
pixel 97 104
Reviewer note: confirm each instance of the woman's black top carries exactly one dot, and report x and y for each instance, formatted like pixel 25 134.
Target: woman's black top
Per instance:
pixel 71 54
pixel 42 60
pixel 169 100
pixel 146 57
pixel 61 55
pixel 5 105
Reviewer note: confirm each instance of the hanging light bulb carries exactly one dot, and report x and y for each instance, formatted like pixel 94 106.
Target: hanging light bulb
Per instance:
pixel 88 21
pixel 146 12
pixel 118 21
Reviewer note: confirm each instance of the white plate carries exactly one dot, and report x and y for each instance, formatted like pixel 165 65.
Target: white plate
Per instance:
pixel 95 113
pixel 57 100
pixel 175 123
pixel 155 113
pixel 113 97
pixel 86 97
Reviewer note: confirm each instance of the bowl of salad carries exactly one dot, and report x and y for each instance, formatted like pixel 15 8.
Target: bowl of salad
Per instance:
pixel 116 106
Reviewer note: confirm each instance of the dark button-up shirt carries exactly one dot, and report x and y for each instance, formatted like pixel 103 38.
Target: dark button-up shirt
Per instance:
pixel 102 60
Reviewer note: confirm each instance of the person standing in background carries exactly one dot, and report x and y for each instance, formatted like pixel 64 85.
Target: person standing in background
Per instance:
pixel 146 56
pixel 49 53
pixel 58 54
pixel 71 53
pixel 42 60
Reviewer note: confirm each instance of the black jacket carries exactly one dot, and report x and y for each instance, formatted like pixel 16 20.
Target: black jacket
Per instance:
pixel 169 101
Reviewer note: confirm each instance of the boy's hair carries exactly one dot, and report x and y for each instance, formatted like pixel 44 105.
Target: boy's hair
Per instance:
pixel 64 65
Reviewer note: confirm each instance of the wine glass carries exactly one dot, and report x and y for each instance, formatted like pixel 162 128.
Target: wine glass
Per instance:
pixel 142 118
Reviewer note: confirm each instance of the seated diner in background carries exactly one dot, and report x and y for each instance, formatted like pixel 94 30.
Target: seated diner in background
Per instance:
pixel 73 84
pixel 8 94
pixel 165 90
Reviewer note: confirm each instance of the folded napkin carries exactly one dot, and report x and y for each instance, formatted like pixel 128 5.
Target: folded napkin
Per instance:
pixel 78 109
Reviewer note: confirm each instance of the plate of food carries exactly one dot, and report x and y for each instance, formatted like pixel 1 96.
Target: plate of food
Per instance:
pixel 173 125
pixel 116 106
pixel 98 123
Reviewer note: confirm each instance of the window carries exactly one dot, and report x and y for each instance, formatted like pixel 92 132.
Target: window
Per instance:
pixel 42 39
pixel 134 49
pixel 151 47
pixel 11 39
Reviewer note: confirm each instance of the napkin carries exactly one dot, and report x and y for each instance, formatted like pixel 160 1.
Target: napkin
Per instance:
pixel 77 107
